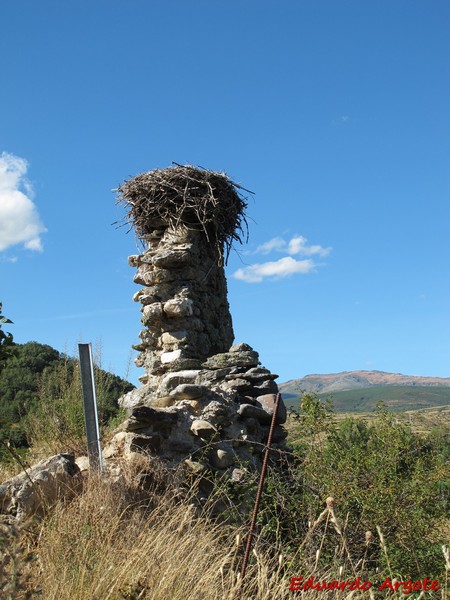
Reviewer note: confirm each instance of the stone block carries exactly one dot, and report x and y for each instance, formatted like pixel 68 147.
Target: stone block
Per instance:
pixel 222 458
pixel 169 357
pixel 179 307
pixel 144 275
pixel 144 443
pixel 170 381
pixel 151 313
pixel 256 374
pixel 162 402
pixel 169 338
pixel 134 260
pixel 247 358
pixel 203 429
pixel 188 391
pixel 246 411
pixel 241 347
pixel 45 483
pixel 171 259
pixel 267 403
pixel 239 385
pixel 151 416
pixel 265 387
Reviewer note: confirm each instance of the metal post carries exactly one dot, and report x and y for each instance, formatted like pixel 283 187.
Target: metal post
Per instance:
pixel 258 497
pixel 90 407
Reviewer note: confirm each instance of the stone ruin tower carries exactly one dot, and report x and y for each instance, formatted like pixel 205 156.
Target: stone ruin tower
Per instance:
pixel 203 401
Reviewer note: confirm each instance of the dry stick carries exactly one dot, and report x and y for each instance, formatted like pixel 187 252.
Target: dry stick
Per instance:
pixel 258 496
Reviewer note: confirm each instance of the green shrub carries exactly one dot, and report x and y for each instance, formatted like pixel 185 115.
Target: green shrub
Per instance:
pixel 56 420
pixel 41 400
pixel 382 476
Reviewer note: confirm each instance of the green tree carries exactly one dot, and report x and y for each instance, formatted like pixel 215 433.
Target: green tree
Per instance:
pixel 6 339
pixel 40 396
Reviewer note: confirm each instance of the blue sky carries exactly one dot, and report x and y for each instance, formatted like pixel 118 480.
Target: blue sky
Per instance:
pixel 334 112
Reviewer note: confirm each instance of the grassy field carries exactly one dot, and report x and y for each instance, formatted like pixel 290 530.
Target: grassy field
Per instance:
pixel 395 398
pixel 422 421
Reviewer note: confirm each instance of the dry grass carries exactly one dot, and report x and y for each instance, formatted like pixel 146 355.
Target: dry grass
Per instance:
pixel 115 542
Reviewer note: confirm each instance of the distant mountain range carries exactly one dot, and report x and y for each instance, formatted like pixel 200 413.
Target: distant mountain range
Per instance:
pixel 361 390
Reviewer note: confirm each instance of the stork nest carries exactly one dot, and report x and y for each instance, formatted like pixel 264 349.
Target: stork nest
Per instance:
pixel 187 197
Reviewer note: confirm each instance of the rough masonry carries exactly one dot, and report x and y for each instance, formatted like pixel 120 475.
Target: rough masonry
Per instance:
pixel 203 401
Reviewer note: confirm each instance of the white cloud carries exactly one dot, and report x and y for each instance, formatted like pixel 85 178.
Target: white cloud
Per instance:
pixel 284 267
pixel 296 245
pixel 274 244
pixel 278 269
pixel 19 220
pixel 8 259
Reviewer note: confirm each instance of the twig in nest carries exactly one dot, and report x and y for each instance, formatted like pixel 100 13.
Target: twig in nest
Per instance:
pixel 189 197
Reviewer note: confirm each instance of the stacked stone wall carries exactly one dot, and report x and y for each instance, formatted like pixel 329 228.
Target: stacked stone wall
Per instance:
pixel 203 401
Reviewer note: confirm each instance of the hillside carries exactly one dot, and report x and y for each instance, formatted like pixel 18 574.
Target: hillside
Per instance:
pixel 33 380
pixel 359 391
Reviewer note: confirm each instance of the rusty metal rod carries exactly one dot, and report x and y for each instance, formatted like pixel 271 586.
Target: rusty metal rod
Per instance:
pixel 258 495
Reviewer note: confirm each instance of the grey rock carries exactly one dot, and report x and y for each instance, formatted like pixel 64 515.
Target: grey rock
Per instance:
pixel 183 446
pixel 267 402
pixel 203 429
pixel 152 312
pixel 241 347
pixel 195 467
pixel 171 380
pixel 170 357
pixel 174 337
pixel 279 433
pixel 171 259
pixel 207 377
pixel 246 400
pixel 235 433
pixel 139 347
pixel 239 385
pixel 82 463
pixel 188 391
pixel 134 260
pixel 248 358
pixel 186 364
pixel 132 424
pixel 144 275
pixel 116 445
pixel 265 387
pixel 178 307
pixel 258 374
pixel 145 443
pixel 43 485
pixel 139 361
pixel 217 413
pixel 162 402
pixel 149 415
pixel 222 458
pixel 247 411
